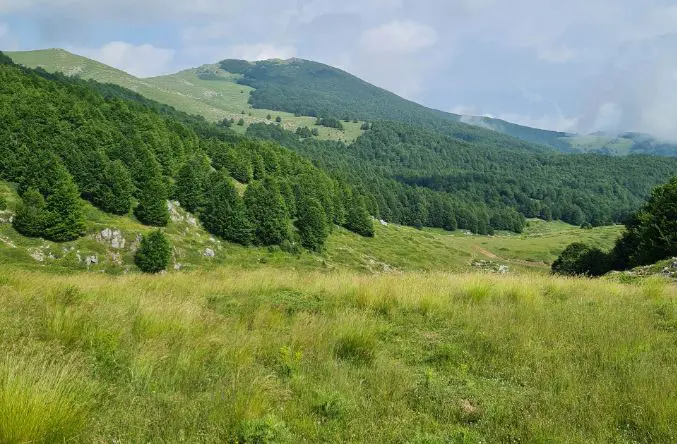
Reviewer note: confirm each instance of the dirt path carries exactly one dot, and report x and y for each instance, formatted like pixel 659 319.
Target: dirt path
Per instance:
pixel 491 255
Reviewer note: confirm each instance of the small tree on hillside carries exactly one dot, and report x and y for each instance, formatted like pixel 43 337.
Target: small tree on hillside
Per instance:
pixel 358 219
pixel 312 225
pixel 267 212
pixel 115 191
pixel 64 212
pixel 29 219
pixel 3 203
pixel 152 208
pixel 224 212
pixel 154 253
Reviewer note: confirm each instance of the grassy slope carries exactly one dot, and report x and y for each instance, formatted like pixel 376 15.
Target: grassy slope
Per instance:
pixel 269 355
pixel 214 99
pixel 394 248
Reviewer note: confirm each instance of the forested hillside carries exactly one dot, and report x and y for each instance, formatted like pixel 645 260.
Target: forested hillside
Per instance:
pixel 63 139
pixel 412 175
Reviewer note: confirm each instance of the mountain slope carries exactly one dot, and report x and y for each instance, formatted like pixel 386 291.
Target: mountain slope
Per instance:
pixel 206 91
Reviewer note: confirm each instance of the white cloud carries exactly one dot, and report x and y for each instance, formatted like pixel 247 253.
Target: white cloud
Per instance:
pixel 7 40
pixel 142 61
pixel 557 54
pixel 261 51
pixel 399 37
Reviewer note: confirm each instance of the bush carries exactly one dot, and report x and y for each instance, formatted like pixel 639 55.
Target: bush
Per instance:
pixel 154 253
pixel 579 259
pixel 3 203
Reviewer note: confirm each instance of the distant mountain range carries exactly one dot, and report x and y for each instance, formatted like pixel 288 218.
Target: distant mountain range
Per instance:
pixel 299 91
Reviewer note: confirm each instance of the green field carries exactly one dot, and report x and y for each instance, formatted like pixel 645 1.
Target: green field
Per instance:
pixel 206 91
pixel 278 356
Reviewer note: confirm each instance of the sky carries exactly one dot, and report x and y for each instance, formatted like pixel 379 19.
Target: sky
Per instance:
pixel 574 65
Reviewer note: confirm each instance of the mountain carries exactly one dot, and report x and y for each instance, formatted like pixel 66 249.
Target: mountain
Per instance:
pixel 298 90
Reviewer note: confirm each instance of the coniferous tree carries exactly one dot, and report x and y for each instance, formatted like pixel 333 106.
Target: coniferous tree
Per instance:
pixel 191 183
pixel 312 225
pixel 224 212
pixel 154 253
pixel 115 191
pixel 64 212
pixel 152 207
pixel 29 218
pixel 238 165
pixel 358 219
pixel 267 212
pixel 152 193
pixel 3 203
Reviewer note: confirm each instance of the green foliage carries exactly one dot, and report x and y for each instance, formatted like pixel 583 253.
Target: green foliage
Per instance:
pixel 64 213
pixel 30 218
pixel 240 122
pixel 154 253
pixel 278 119
pixel 114 191
pixel 358 219
pixel 3 203
pixel 267 211
pixel 651 233
pixel 579 259
pixel 330 122
pixel 412 177
pixel 152 208
pixel 312 225
pixel 192 183
pixel 224 212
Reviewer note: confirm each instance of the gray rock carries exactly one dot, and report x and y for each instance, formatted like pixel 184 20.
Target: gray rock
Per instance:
pixel 209 252
pixel 178 266
pixel 37 254
pixel 90 260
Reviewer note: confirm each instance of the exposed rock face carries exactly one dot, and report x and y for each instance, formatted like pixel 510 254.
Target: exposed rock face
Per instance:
pixel 113 237
pixel 37 254
pixel 176 216
pixel 209 253
pixel 91 260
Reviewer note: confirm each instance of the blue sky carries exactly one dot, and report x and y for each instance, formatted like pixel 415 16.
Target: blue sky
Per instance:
pixel 575 65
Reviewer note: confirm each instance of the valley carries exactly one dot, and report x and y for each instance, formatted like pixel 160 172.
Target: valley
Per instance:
pixel 388 273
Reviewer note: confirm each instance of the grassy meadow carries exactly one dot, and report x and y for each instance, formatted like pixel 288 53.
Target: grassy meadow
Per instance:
pixel 274 356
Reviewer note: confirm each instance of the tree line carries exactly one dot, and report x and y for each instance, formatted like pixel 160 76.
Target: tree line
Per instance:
pixel 64 139
pixel 418 177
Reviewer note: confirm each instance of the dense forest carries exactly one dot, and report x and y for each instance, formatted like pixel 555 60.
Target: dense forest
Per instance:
pixel 414 176
pixel 650 236
pixel 64 139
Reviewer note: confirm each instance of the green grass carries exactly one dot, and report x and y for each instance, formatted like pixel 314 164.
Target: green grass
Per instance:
pixel 215 97
pixel 269 355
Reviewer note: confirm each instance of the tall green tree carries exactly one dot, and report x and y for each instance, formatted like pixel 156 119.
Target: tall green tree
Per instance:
pixel 267 212
pixel 224 212
pixel 312 225
pixel 64 212
pixel 192 183
pixel 114 192
pixel 30 218
pixel 358 219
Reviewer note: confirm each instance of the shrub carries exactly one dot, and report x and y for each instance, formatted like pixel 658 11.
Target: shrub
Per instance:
pixel 3 203
pixel 581 259
pixel 154 253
